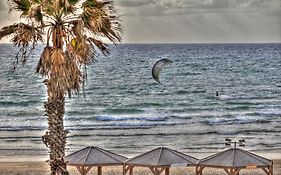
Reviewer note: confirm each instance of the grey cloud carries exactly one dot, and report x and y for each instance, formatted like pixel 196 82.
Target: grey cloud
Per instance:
pixel 182 7
pixel 7 18
pixel 204 4
pixel 133 3
pixel 214 4
pixel 192 4
pixel 3 6
pixel 192 20
pixel 204 28
pixel 169 3
pixel 145 9
pixel 274 8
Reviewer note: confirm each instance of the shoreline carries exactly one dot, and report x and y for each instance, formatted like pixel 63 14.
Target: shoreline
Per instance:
pixel 42 168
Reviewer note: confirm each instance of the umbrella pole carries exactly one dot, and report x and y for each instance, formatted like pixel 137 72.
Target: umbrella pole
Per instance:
pixel 199 169
pixel 167 171
pixel 132 170
pixel 124 169
pixel 99 170
pixel 81 170
pixel 269 170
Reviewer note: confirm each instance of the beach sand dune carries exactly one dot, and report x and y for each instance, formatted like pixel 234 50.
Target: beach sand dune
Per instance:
pixel 42 168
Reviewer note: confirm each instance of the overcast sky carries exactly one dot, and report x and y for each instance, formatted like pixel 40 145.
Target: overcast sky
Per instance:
pixel 193 21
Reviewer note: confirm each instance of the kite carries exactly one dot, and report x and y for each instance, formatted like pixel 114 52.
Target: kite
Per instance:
pixel 158 66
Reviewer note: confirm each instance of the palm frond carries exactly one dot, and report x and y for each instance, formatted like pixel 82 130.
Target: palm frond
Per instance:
pixel 73 2
pixel 22 6
pixel 28 8
pixel 8 30
pixel 27 34
pixel 74 75
pixel 44 63
pixel 100 45
pixel 90 4
pixel 93 19
pixel 24 36
pixel 48 8
pixel 81 50
pixel 57 62
pixel 68 6
pixel 58 34
pixel 36 13
pixel 36 1
pixel 101 19
pixel 78 28
pixel 111 31
pixel 64 70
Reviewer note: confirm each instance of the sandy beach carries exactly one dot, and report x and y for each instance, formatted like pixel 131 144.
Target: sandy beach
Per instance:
pixel 42 168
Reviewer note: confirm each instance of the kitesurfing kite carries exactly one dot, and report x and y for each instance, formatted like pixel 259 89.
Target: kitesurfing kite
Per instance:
pixel 158 66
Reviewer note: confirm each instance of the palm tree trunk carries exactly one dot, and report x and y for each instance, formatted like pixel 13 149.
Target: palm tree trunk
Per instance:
pixel 55 137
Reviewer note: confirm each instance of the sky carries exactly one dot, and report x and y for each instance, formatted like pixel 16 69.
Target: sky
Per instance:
pixel 192 21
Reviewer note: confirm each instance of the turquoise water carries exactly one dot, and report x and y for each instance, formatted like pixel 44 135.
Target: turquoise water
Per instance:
pixel 127 111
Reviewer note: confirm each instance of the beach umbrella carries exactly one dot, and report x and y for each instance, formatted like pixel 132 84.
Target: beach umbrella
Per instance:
pixel 158 160
pixel 90 157
pixel 233 160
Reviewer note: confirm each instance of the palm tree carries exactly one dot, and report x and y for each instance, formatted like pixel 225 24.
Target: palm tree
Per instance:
pixel 73 31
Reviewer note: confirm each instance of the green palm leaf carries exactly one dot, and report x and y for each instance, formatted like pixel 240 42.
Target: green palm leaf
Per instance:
pixel 20 5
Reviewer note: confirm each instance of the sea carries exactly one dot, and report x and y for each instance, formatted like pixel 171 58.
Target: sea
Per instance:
pixel 124 110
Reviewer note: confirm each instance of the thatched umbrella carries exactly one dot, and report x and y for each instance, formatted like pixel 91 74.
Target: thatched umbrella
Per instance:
pixel 89 157
pixel 158 160
pixel 233 160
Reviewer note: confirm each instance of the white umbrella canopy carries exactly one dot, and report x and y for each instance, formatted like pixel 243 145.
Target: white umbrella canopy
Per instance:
pixel 235 159
pixel 89 157
pixel 162 156
pixel 159 160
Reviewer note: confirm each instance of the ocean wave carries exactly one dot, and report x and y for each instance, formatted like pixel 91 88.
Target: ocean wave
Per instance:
pixel 224 97
pixel 22 128
pixel 120 126
pixel 147 104
pixel 19 137
pixel 242 103
pixel 19 103
pixel 260 131
pixel 79 113
pixel 21 118
pixel 123 111
pixel 185 118
pixel 189 73
pixel 270 112
pixel 235 131
pixel 234 120
pixel 137 134
pixel 227 132
pixel 238 108
pixel 124 118
pixel 184 92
